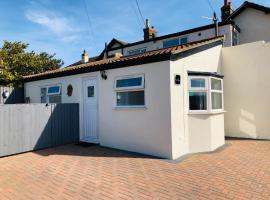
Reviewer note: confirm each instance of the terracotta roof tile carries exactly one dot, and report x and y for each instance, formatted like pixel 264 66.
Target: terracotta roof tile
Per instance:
pixel 124 60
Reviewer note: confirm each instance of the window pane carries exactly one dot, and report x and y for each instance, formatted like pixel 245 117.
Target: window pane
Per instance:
pixel 216 100
pixel 136 51
pixel 197 101
pixel 131 98
pixel 53 90
pixel 215 84
pixel 91 91
pixel 184 40
pixel 171 43
pixel 198 83
pixel 43 95
pixel 130 82
pixel 55 99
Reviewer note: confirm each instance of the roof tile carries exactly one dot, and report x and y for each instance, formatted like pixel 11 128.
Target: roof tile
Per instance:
pixel 106 62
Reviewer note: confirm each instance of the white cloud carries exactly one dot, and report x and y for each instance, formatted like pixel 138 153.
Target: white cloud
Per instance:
pixel 57 25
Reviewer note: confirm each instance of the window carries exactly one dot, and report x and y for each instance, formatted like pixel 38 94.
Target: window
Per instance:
pixel 175 42
pixel 43 96
pixel 216 94
pixel 129 82
pixel 197 83
pixel 136 51
pixel 171 43
pixel 53 90
pixel 130 98
pixel 197 101
pixel 184 40
pixel 198 94
pixel 205 94
pixel 129 91
pixel 91 91
pixel 51 94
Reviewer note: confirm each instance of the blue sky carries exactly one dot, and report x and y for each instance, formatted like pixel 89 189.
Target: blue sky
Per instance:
pixel 61 26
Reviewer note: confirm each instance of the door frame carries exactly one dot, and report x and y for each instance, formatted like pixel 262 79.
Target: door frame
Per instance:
pixel 83 106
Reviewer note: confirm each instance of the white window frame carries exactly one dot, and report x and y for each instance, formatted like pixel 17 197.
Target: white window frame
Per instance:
pixel 51 94
pixel 208 91
pixel 55 93
pixel 199 89
pixel 129 89
pixel 217 91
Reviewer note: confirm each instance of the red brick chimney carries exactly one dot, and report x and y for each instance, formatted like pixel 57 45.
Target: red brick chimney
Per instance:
pixel 149 32
pixel 226 10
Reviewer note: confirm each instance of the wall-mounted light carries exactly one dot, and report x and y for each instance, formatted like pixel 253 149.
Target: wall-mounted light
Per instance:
pixel 177 79
pixel 69 90
pixel 103 74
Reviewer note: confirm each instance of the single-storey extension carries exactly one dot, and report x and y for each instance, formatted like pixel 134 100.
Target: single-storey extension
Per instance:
pixel 166 102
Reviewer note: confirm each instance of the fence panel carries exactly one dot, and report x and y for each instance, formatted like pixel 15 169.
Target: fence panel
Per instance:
pixel 27 127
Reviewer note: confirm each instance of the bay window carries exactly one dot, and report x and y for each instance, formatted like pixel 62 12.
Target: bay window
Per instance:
pixel 129 91
pixel 205 94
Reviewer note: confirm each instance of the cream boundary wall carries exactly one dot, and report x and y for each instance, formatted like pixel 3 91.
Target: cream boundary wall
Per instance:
pixel 246 90
pixel 192 37
pixel 199 132
pixel 145 130
pixel 254 25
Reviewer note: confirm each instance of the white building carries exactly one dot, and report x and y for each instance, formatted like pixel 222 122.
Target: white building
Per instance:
pixel 153 103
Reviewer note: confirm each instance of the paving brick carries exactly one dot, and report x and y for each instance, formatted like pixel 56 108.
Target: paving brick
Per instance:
pixel 240 171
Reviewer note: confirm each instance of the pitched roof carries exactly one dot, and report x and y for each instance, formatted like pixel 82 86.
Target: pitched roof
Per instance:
pixel 246 5
pixel 116 41
pixel 185 32
pixel 124 61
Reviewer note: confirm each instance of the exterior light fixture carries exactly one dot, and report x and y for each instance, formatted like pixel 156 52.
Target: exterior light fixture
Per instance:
pixel 103 74
pixel 69 90
pixel 177 79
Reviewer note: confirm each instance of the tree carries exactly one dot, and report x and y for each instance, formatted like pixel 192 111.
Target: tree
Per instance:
pixel 16 62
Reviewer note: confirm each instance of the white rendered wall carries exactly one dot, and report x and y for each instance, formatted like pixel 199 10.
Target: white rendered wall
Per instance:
pixel 195 134
pixel 246 90
pixel 144 130
pixel 254 26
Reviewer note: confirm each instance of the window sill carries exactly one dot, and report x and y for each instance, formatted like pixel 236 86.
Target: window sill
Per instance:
pixel 130 108
pixel 206 112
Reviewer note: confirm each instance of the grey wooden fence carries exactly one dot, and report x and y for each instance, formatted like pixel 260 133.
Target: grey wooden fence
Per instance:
pixel 27 127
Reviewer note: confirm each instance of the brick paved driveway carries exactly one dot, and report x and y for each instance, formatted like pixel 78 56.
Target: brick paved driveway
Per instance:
pixel 240 171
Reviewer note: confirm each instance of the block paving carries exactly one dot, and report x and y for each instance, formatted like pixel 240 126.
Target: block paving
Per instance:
pixel 239 171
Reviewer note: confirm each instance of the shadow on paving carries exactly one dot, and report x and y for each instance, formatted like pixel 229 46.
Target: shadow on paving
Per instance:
pixel 90 150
